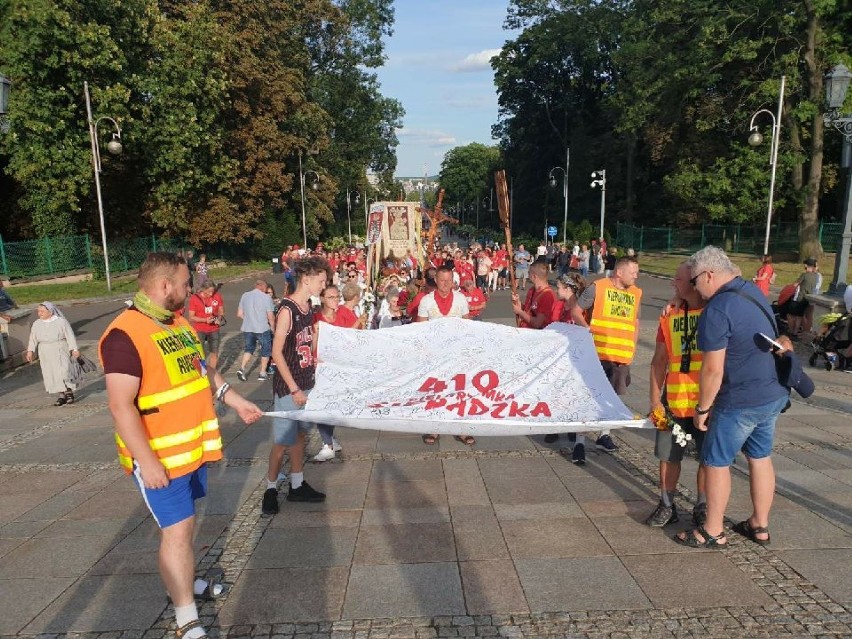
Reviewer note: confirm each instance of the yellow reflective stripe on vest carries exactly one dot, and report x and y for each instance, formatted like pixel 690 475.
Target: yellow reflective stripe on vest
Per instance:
pixel 685 387
pixel 627 327
pixel 607 340
pixel 176 439
pixel 182 459
pixel 674 367
pixel 615 352
pixel 125 461
pixel 212 444
pixel 689 402
pixel 173 394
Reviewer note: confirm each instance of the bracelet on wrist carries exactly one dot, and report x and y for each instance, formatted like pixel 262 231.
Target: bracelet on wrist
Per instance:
pixel 298 390
pixel 702 411
pixel 220 392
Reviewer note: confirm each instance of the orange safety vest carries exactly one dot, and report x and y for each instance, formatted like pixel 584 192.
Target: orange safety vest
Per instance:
pixel 681 388
pixel 614 318
pixel 174 400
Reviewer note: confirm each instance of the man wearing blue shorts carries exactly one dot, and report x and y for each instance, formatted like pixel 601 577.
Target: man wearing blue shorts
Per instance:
pixel 295 365
pixel 257 311
pixel 166 430
pixel 739 396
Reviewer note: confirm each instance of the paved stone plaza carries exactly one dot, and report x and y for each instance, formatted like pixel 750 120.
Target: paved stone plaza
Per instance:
pixel 508 538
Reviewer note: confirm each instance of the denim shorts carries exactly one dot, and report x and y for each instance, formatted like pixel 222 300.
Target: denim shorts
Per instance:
pixel 285 431
pixel 750 430
pixel 265 339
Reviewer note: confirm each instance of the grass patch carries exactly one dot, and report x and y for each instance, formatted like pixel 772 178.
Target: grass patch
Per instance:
pixel 666 264
pixel 122 285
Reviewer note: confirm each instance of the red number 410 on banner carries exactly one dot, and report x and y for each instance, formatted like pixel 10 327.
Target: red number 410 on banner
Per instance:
pixel 483 381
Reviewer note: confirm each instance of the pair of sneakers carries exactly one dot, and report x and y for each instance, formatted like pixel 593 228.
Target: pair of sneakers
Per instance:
pixel 304 493
pixel 328 451
pixel 261 377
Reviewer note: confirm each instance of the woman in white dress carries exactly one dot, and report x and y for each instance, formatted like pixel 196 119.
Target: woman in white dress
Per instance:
pixel 52 335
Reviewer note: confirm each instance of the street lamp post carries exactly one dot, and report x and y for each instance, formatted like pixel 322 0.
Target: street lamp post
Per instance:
pixel 314 186
pixel 564 191
pixel 836 85
pixel 599 179
pixel 350 197
pixel 114 147
pixel 755 139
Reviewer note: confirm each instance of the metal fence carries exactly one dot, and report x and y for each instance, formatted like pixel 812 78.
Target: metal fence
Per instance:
pixel 64 255
pixel 737 238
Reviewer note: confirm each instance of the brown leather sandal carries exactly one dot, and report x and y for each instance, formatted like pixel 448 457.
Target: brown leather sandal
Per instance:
pixel 430 439
pixel 195 623
pixel 467 440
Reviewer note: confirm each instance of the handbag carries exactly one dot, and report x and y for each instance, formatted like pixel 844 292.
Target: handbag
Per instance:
pixel 788 367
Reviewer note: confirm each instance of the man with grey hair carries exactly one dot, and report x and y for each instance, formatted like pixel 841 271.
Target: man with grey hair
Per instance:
pixel 258 314
pixel 739 396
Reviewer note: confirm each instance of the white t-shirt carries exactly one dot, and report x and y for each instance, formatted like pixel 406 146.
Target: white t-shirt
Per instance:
pixel 429 307
pixel 541 250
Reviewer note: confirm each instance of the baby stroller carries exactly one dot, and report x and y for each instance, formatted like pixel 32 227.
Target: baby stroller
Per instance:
pixel 781 307
pixel 828 345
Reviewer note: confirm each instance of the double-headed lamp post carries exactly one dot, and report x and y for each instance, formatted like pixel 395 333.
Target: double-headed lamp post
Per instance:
pixel 564 190
pixel 314 186
pixel 836 86
pixel 599 179
pixel 351 196
pixel 114 147
pixel 755 139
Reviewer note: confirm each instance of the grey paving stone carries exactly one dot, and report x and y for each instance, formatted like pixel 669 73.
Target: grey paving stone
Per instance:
pixel 608 488
pixel 637 510
pixel 101 604
pixel 405 543
pixel 117 528
pixel 466 512
pixel 304 547
pixel 318 519
pixel 479 539
pixel 527 490
pixel 8 544
pixel 587 583
pixel 14 506
pixel 54 507
pixel 630 537
pixel 407 444
pixel 23 599
pixel 553 538
pixel 64 557
pixel 429 515
pixel 697 579
pixel 22 529
pixel 404 590
pixel 106 506
pixel 411 494
pixel 492 587
pixel 793 529
pixel 51 482
pixel 341 472
pixel 515 468
pixel 558 510
pixel 339 497
pixel 461 470
pixel 823 568
pixel 406 470
pixel 469 492
pixel 285 595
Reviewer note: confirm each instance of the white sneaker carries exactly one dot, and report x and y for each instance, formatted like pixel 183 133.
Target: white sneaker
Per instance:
pixel 335 445
pixel 325 454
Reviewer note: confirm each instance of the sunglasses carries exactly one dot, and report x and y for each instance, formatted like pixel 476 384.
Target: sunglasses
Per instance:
pixel 694 280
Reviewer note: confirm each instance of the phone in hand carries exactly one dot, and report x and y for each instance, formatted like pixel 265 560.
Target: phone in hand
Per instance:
pixel 773 345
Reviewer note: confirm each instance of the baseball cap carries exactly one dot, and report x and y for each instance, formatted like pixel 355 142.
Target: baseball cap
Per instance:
pixel 810 262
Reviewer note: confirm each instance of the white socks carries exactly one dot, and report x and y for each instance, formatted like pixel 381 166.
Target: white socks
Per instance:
pixel 271 484
pixel 185 614
pixel 296 480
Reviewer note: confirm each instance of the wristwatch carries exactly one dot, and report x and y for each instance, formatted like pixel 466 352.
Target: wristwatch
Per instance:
pixel 702 411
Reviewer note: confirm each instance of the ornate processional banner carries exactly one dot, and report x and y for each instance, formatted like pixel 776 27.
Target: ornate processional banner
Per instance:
pixel 454 376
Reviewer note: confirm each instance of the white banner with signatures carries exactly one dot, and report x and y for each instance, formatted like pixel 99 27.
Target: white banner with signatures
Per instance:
pixel 463 377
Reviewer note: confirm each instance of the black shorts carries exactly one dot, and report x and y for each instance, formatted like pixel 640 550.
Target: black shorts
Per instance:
pixel 668 450
pixel 797 309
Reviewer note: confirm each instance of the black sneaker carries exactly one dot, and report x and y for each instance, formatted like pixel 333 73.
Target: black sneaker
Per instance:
pixel 578 455
pixel 270 502
pixel 605 443
pixel 549 439
pixel 241 375
pixel 699 515
pixel 305 493
pixel 662 516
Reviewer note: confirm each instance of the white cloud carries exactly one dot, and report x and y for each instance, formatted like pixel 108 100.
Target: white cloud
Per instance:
pixel 480 61
pixel 430 137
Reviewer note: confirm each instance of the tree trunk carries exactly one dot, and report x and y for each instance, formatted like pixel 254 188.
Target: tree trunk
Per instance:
pixel 797 176
pixel 809 244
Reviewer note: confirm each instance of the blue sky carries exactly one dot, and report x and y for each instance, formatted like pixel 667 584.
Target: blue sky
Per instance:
pixel 438 68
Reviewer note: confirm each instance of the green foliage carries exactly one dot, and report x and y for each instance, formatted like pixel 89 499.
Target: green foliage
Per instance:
pixel 467 172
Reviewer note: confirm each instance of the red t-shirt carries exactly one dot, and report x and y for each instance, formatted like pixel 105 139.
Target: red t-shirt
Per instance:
pixel 474 298
pixel 205 308
pixel 560 313
pixel 499 259
pixel 763 285
pixel 415 303
pixel 319 317
pixel 539 302
pixel 345 317
pixel 465 271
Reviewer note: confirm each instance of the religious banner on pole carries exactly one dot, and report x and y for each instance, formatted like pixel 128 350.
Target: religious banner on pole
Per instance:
pixel 376 220
pixel 461 377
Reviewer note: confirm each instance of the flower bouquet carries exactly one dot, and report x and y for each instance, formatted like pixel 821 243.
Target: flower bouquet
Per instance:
pixel 664 420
